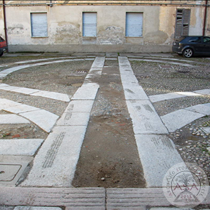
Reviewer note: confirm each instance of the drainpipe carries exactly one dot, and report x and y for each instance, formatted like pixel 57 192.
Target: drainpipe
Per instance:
pixel 5 22
pixel 205 17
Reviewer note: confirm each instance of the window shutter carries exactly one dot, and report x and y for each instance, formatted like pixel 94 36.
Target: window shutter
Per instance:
pixel 39 25
pixel 134 22
pixel 89 24
pixel 182 22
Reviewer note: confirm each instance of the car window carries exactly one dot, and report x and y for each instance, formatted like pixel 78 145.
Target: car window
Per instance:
pixel 195 39
pixel 1 39
pixel 206 39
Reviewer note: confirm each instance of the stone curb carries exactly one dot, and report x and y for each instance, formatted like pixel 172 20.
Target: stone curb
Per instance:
pixel 87 198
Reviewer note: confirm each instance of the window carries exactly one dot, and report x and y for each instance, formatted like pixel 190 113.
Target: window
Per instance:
pixel 195 39
pixel 182 22
pixel 39 25
pixel 89 20
pixel 206 39
pixel 134 22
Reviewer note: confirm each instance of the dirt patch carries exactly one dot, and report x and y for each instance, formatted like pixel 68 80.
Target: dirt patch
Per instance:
pixel 109 156
pixel 21 131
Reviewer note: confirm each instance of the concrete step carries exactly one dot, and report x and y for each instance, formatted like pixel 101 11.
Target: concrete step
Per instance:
pixel 88 198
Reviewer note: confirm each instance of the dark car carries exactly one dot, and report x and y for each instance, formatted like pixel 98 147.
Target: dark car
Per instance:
pixel 3 46
pixel 189 46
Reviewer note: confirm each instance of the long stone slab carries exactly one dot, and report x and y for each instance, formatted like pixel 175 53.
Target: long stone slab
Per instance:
pixel 178 119
pixel 82 106
pixel 5 72
pixel 134 92
pixel 27 91
pixel 162 97
pixel 75 119
pixel 36 208
pixel 86 91
pixel 98 62
pixel 19 146
pixel 203 92
pixel 55 163
pixel 144 117
pixel 9 88
pixel 87 198
pixel 158 61
pixel 200 108
pixel 44 119
pixel 68 198
pixel 12 119
pixel 168 96
pixel 35 92
pixel 157 154
pixel 14 107
pixel 52 95
pixel 129 79
pixel 18 108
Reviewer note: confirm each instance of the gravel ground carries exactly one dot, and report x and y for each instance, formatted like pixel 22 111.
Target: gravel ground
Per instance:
pixel 159 78
pixel 192 143
pixel 165 107
pixel 62 78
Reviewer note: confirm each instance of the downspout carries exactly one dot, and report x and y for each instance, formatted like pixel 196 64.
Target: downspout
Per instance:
pixel 205 17
pixel 5 23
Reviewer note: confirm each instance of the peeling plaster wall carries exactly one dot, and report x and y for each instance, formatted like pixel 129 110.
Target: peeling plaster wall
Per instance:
pixel 65 27
pixel 208 22
pixel 196 21
pixel 1 22
pixel 167 24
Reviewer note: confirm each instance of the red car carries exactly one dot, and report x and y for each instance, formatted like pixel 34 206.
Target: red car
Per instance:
pixel 3 46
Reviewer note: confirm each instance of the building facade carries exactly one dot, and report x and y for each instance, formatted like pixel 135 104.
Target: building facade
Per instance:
pixel 101 26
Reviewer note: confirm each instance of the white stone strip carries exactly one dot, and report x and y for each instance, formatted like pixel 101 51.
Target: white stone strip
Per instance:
pixel 157 152
pixel 168 96
pixel 203 92
pixel 36 208
pixel 200 108
pixel 96 69
pixel 158 61
pixel 171 59
pixel 36 92
pixel 56 161
pixel 5 72
pixel 33 61
pixel 19 146
pixel 134 92
pixel 44 119
pixel 77 113
pixel 40 60
pixel 177 119
pixel 144 117
pixel 98 62
pixel 87 91
pixel 68 198
pixel 52 95
pixel 163 97
pixel 12 119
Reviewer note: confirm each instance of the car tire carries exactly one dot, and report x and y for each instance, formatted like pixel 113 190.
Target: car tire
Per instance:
pixel 188 53
pixel 1 53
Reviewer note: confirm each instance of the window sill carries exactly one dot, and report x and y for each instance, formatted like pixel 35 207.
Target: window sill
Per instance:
pixel 40 37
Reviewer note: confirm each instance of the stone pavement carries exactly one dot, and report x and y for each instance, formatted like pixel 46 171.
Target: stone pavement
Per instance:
pixel 49 181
